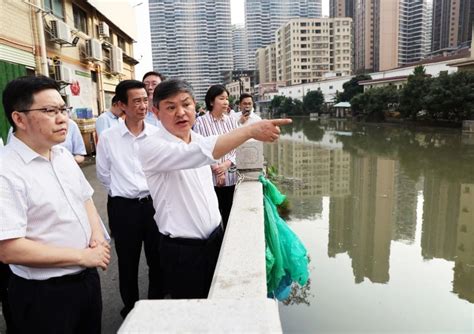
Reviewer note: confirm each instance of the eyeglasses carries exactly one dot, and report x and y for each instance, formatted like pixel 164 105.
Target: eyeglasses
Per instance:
pixel 51 111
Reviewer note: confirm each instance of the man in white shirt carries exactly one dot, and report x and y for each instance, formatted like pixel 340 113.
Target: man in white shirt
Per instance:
pixel 130 207
pixel 73 143
pixel 246 114
pixel 151 80
pixel 176 164
pixel 109 118
pixel 50 231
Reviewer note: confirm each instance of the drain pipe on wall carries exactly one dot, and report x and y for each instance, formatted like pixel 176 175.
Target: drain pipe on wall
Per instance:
pixel 42 42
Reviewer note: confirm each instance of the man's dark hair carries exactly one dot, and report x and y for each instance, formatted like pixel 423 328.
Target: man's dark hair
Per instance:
pixel 170 88
pixel 158 74
pixel 244 96
pixel 114 99
pixel 121 90
pixel 212 93
pixel 18 94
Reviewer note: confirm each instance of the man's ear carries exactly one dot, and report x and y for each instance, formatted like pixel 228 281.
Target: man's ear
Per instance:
pixel 155 111
pixel 19 119
pixel 122 106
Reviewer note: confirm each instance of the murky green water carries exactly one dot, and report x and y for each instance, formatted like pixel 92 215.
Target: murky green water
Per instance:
pixel 387 216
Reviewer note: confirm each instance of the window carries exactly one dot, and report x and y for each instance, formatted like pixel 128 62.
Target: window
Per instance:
pixel 55 7
pixel 121 43
pixel 80 19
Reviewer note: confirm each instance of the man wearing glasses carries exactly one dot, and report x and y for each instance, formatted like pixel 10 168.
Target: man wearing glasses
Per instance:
pixel 129 205
pixel 151 80
pixel 50 231
pixel 73 143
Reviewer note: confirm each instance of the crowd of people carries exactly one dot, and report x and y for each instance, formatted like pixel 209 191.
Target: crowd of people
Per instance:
pixel 170 180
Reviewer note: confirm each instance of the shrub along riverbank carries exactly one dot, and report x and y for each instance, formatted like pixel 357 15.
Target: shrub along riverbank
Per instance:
pixel 445 100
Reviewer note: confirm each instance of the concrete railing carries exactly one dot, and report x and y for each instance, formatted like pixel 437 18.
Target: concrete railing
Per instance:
pixel 237 299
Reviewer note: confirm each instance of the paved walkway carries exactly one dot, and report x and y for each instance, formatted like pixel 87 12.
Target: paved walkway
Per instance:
pixel 112 303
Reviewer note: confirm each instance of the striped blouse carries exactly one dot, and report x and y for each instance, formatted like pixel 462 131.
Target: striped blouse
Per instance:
pixel 208 125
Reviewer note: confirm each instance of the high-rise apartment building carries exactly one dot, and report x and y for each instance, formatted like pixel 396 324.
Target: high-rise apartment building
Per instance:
pixel 452 20
pixel 192 40
pixel 240 48
pixel 414 31
pixel 307 49
pixel 265 61
pixel 388 34
pixel 264 17
pixel 376 28
pixel 341 8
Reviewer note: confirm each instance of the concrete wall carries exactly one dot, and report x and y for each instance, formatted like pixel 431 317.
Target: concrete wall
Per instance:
pixel 237 300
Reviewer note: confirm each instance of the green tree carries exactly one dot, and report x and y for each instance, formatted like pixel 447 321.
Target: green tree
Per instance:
pixel 232 101
pixel 412 95
pixel 199 105
pixel 287 105
pixel 375 102
pixel 275 103
pixel 313 101
pixel 297 108
pixel 451 97
pixel 352 88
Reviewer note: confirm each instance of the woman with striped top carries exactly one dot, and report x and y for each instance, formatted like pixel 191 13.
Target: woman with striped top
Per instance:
pixel 217 122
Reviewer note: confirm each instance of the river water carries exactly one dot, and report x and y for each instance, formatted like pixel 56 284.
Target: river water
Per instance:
pixel 387 216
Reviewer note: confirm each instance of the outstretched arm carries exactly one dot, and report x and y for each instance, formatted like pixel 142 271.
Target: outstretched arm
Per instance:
pixel 266 131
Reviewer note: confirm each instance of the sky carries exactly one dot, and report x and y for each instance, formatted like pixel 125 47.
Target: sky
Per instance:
pixel 142 46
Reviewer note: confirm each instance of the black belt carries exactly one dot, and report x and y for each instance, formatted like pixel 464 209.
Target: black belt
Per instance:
pixel 61 279
pixel 193 242
pixel 145 199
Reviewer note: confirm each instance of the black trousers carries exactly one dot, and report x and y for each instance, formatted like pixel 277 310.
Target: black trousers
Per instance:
pixel 4 278
pixel 67 304
pixel 225 196
pixel 132 224
pixel 187 265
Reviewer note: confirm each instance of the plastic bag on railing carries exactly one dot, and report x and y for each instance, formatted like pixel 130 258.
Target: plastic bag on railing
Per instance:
pixel 286 256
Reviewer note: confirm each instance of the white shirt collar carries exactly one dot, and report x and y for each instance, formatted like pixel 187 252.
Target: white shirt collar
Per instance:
pixel 25 152
pixel 124 130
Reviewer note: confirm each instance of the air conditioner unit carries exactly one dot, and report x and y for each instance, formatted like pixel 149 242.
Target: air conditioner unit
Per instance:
pixel 94 49
pixel 104 29
pixel 62 73
pixel 60 32
pixel 116 61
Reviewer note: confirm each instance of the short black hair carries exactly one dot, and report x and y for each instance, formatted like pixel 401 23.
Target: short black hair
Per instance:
pixel 18 93
pixel 211 94
pixel 158 74
pixel 114 99
pixel 169 88
pixel 121 90
pixel 244 96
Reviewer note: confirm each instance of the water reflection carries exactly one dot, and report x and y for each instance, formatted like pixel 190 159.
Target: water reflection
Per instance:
pixel 375 177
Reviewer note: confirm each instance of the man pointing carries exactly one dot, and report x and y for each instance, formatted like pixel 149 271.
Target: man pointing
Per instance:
pixel 176 162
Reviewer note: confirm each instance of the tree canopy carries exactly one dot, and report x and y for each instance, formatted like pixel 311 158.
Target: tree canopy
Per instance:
pixel 313 101
pixel 352 88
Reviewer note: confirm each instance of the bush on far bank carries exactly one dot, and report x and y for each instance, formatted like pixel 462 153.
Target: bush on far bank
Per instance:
pixel 448 97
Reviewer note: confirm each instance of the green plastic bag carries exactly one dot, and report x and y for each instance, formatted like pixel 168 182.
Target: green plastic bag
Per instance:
pixel 286 256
